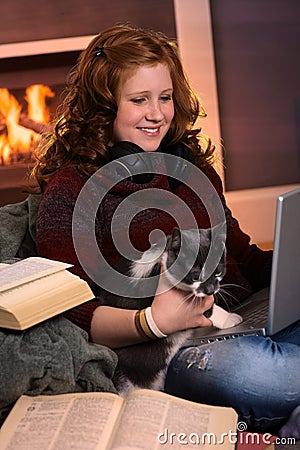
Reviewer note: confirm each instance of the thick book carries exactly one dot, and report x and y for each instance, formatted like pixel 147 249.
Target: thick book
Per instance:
pixel 146 420
pixel 35 289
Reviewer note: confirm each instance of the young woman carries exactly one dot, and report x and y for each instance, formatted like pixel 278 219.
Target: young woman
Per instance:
pixel 128 94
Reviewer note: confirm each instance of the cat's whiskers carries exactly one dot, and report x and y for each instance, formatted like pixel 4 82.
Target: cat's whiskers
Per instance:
pixel 221 294
pixel 194 299
pixel 228 297
pixel 233 299
pixel 186 299
pixel 189 298
pixel 234 285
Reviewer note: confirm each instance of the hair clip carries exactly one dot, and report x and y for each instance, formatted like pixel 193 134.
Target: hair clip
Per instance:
pixel 202 112
pixel 100 51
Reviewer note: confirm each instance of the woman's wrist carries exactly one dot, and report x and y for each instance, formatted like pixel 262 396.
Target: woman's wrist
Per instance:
pixel 164 311
pixel 114 327
pixel 146 325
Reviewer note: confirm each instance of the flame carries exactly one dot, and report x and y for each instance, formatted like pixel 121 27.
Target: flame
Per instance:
pixel 4 150
pixel 36 98
pixel 18 141
pixel 18 137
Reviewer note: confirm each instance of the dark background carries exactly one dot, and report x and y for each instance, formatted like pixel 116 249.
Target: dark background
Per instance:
pixel 257 51
pixel 35 20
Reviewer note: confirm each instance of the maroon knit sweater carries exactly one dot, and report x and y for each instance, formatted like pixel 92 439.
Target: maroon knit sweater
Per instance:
pixel 248 267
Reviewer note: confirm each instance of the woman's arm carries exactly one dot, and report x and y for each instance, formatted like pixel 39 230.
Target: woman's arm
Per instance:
pixel 54 234
pixel 115 327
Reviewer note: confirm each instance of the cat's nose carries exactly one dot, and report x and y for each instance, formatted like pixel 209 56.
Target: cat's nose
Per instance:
pixel 209 292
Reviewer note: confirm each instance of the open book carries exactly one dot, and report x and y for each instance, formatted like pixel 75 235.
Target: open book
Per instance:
pixel 35 289
pixel 145 420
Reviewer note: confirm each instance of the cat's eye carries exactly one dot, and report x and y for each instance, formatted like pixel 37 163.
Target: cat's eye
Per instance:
pixel 195 280
pixel 218 274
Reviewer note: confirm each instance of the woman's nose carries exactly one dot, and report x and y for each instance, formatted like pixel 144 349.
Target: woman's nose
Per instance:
pixel 154 112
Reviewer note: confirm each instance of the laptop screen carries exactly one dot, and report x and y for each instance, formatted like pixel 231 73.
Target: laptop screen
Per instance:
pixel 285 281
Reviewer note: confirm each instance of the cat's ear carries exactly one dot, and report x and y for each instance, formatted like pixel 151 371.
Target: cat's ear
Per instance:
pixel 219 231
pixel 175 238
pixel 218 235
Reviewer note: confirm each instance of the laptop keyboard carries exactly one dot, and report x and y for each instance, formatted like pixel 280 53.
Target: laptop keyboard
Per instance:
pixel 258 316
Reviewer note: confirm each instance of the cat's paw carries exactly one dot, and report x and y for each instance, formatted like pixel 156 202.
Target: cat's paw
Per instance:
pixel 223 319
pixel 231 321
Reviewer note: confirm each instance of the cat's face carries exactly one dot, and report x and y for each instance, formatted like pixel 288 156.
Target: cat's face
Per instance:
pixel 190 275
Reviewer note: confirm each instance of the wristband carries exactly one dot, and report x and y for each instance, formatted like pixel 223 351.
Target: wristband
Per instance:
pixel 142 326
pixel 152 325
pixel 146 325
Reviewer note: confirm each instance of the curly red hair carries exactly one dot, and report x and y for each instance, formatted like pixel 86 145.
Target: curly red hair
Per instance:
pixel 85 120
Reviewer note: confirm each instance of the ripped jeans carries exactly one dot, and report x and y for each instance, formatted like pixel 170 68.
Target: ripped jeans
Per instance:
pixel 256 375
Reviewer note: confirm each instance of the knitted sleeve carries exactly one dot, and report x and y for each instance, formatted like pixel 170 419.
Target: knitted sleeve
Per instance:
pixel 254 263
pixel 54 234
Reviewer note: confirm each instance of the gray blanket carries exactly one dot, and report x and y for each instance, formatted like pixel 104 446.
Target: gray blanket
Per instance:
pixel 17 228
pixel 51 358
pixel 55 356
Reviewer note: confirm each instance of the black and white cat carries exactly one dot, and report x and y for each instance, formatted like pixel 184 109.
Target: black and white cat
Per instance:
pixel 144 365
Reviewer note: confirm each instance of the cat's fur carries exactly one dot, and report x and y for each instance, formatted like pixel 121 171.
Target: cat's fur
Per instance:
pixel 144 365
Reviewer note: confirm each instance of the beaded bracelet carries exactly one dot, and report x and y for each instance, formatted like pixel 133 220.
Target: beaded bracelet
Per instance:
pixel 146 326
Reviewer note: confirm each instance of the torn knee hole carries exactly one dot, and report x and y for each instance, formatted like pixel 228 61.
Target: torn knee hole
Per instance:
pixel 199 358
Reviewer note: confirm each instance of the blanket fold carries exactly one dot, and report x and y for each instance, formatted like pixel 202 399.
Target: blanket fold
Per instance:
pixel 51 358
pixel 18 227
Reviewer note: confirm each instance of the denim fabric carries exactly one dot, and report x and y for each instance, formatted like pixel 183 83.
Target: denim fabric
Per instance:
pixel 258 376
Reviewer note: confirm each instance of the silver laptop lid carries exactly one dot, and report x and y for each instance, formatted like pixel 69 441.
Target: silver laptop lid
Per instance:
pixel 285 281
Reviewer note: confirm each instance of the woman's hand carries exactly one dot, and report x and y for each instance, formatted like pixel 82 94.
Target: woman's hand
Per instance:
pixel 173 310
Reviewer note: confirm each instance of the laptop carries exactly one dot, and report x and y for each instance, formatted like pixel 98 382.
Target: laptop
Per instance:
pixel 270 310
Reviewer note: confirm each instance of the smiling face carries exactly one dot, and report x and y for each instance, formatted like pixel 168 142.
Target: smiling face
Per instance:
pixel 145 107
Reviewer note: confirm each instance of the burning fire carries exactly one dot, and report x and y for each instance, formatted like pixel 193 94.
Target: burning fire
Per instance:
pixel 36 98
pixel 18 133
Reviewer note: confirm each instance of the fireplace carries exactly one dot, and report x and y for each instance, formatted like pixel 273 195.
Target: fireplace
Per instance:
pixel 33 77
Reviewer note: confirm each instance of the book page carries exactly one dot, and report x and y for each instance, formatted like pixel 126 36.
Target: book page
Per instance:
pixel 61 422
pixel 28 269
pixel 48 286
pixel 153 420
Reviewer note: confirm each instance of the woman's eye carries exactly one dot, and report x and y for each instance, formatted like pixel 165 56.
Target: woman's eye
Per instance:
pixel 138 101
pixel 166 98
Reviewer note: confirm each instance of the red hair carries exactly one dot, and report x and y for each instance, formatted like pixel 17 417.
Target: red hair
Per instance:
pixel 86 116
